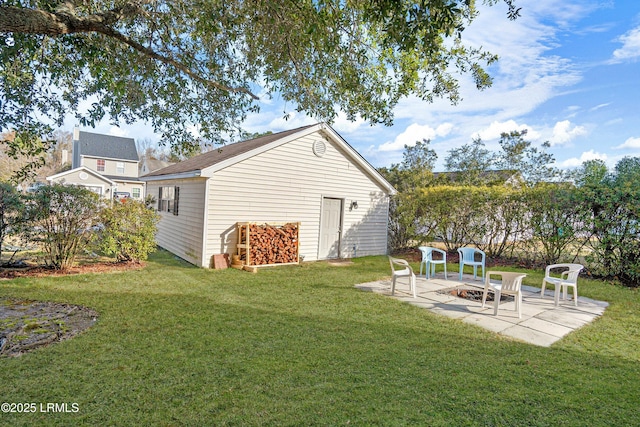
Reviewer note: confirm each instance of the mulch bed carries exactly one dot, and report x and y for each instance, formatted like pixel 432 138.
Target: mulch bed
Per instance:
pixel 42 271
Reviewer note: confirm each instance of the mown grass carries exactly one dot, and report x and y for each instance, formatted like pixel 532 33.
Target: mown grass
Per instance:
pixel 299 345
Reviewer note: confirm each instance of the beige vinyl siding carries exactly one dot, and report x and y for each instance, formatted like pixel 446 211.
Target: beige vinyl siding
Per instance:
pixel 182 234
pixel 288 183
pixel 73 178
pixel 110 166
pixel 90 180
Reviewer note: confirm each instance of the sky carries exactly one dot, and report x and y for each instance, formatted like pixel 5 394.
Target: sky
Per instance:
pixel 568 72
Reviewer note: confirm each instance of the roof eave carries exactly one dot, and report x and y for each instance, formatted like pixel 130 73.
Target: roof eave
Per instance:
pixel 322 128
pixel 182 175
pixel 81 168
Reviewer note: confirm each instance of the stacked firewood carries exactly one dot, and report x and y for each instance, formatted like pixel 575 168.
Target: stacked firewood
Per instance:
pixel 269 244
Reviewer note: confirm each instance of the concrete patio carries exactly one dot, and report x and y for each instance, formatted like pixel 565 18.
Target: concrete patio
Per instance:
pixel 542 323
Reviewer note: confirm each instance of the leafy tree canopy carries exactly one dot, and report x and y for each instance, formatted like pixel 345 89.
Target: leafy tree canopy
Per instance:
pixel 472 160
pixel 416 168
pixel 591 173
pixel 419 157
pixel 627 172
pixel 535 164
pixel 181 63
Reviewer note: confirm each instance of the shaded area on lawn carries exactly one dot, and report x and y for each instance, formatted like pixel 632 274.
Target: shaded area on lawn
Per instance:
pixel 299 345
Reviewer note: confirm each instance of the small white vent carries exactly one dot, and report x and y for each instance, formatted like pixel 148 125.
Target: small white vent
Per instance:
pixel 83 175
pixel 319 148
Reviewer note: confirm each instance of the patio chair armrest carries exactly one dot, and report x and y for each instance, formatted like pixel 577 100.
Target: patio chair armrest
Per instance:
pixel 547 271
pixel 440 251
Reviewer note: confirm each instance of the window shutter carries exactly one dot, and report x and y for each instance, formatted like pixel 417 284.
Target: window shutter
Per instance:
pixel 176 199
pixel 159 198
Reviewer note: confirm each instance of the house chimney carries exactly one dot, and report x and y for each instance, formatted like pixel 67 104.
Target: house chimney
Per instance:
pixel 76 133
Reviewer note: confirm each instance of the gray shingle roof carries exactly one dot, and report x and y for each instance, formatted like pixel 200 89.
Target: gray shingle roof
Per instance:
pixel 223 153
pixel 106 146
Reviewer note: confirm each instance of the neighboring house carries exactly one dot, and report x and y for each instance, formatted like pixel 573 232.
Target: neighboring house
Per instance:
pixel 308 175
pixel 104 164
pixel 150 165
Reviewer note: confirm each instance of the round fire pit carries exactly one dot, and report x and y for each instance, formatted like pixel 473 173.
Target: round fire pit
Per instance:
pixel 473 294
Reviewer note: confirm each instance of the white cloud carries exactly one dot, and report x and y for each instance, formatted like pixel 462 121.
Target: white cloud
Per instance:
pixel 630 46
pixel 342 124
pixel 575 162
pixel 599 106
pixel 116 131
pixel 295 120
pixel 629 143
pixel 495 129
pixel 414 133
pixel 563 132
pixel 525 77
pixel 615 121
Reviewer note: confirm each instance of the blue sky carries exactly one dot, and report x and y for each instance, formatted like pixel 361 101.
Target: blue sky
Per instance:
pixel 569 73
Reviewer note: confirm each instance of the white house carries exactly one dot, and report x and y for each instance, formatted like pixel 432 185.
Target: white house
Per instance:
pixel 105 164
pixel 308 175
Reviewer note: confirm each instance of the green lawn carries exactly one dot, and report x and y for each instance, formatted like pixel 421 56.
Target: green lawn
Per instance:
pixel 299 345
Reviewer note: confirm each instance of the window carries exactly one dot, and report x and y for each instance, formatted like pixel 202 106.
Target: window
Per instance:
pixel 135 193
pixel 94 188
pixel 168 199
pixel 100 167
pixel 120 168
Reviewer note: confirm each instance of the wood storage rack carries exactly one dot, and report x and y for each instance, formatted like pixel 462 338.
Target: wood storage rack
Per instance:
pixel 262 244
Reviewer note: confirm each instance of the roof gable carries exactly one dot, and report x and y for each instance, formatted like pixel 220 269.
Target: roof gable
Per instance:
pixel 206 164
pixel 107 146
pixel 224 153
pixel 80 169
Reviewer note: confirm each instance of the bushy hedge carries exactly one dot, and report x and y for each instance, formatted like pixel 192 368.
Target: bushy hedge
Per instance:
pixel 129 229
pixel 64 217
pixel 65 220
pixel 13 214
pixel 597 224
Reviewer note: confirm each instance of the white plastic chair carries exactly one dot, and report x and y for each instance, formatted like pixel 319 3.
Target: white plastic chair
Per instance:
pixel 401 268
pixel 468 257
pixel 568 278
pixel 429 262
pixel 510 284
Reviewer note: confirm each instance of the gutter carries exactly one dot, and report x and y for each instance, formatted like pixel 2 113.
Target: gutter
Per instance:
pixel 191 174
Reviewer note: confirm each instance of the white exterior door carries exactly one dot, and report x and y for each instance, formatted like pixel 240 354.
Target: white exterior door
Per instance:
pixel 330 228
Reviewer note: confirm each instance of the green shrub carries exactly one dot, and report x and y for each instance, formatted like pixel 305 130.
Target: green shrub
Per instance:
pixel 556 221
pixel 64 217
pixel 13 217
pixel 129 229
pixel 502 220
